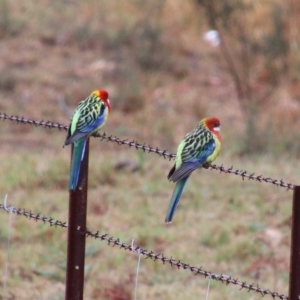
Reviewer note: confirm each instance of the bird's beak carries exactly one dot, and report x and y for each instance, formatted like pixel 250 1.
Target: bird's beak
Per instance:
pixel 108 104
pixel 217 129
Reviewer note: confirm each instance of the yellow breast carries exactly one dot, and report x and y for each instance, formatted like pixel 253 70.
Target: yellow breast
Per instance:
pixel 216 152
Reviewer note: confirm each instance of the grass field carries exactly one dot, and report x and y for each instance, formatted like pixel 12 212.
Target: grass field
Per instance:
pixel 224 224
pixel 162 78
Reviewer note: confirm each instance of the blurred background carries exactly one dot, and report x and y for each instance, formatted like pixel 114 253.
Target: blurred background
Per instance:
pixel 166 64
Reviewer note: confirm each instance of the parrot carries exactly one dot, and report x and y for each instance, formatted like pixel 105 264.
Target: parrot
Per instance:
pixel 199 147
pixel 89 116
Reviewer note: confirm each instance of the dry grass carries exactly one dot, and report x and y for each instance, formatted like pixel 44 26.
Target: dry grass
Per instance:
pixel 226 225
pixel 162 78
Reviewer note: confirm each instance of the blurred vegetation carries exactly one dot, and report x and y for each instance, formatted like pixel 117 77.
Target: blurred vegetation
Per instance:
pixel 140 49
pixel 8 25
pixel 257 58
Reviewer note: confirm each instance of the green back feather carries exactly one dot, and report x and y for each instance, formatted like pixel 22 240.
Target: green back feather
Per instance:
pixel 192 144
pixel 86 112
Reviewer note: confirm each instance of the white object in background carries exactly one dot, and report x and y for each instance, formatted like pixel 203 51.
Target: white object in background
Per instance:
pixel 212 37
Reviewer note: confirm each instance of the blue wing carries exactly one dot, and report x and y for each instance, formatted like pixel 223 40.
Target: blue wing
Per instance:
pixel 92 123
pixel 193 163
pixel 86 127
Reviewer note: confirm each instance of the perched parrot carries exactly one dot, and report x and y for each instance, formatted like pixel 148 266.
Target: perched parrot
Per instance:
pixel 199 147
pixel 89 116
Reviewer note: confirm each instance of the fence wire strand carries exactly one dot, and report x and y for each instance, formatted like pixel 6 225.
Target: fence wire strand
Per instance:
pixel 147 148
pixel 111 241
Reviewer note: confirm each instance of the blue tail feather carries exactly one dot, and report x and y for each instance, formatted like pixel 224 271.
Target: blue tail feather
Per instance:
pixel 180 185
pixel 77 156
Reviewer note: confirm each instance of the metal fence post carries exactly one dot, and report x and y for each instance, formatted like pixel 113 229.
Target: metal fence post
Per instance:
pixel 76 240
pixel 294 290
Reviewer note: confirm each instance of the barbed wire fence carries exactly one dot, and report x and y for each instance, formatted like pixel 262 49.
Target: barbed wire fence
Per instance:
pixel 147 148
pixel 112 241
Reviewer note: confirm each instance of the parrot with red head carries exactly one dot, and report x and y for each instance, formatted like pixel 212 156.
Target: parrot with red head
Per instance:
pixel 89 116
pixel 200 146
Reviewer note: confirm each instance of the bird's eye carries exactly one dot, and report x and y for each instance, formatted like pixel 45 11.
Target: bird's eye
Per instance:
pixel 216 125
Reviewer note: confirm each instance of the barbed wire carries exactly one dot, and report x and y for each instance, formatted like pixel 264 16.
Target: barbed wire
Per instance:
pixel 147 254
pixel 147 148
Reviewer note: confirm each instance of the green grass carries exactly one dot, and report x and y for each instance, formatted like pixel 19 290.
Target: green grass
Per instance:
pixel 220 224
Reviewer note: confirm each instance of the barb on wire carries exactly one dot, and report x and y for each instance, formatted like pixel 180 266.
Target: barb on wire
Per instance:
pixel 42 123
pixel 147 148
pixel 258 178
pixel 31 216
pixel 151 255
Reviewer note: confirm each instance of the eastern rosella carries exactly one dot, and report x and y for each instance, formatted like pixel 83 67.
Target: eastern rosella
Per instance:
pixel 199 147
pixel 89 116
